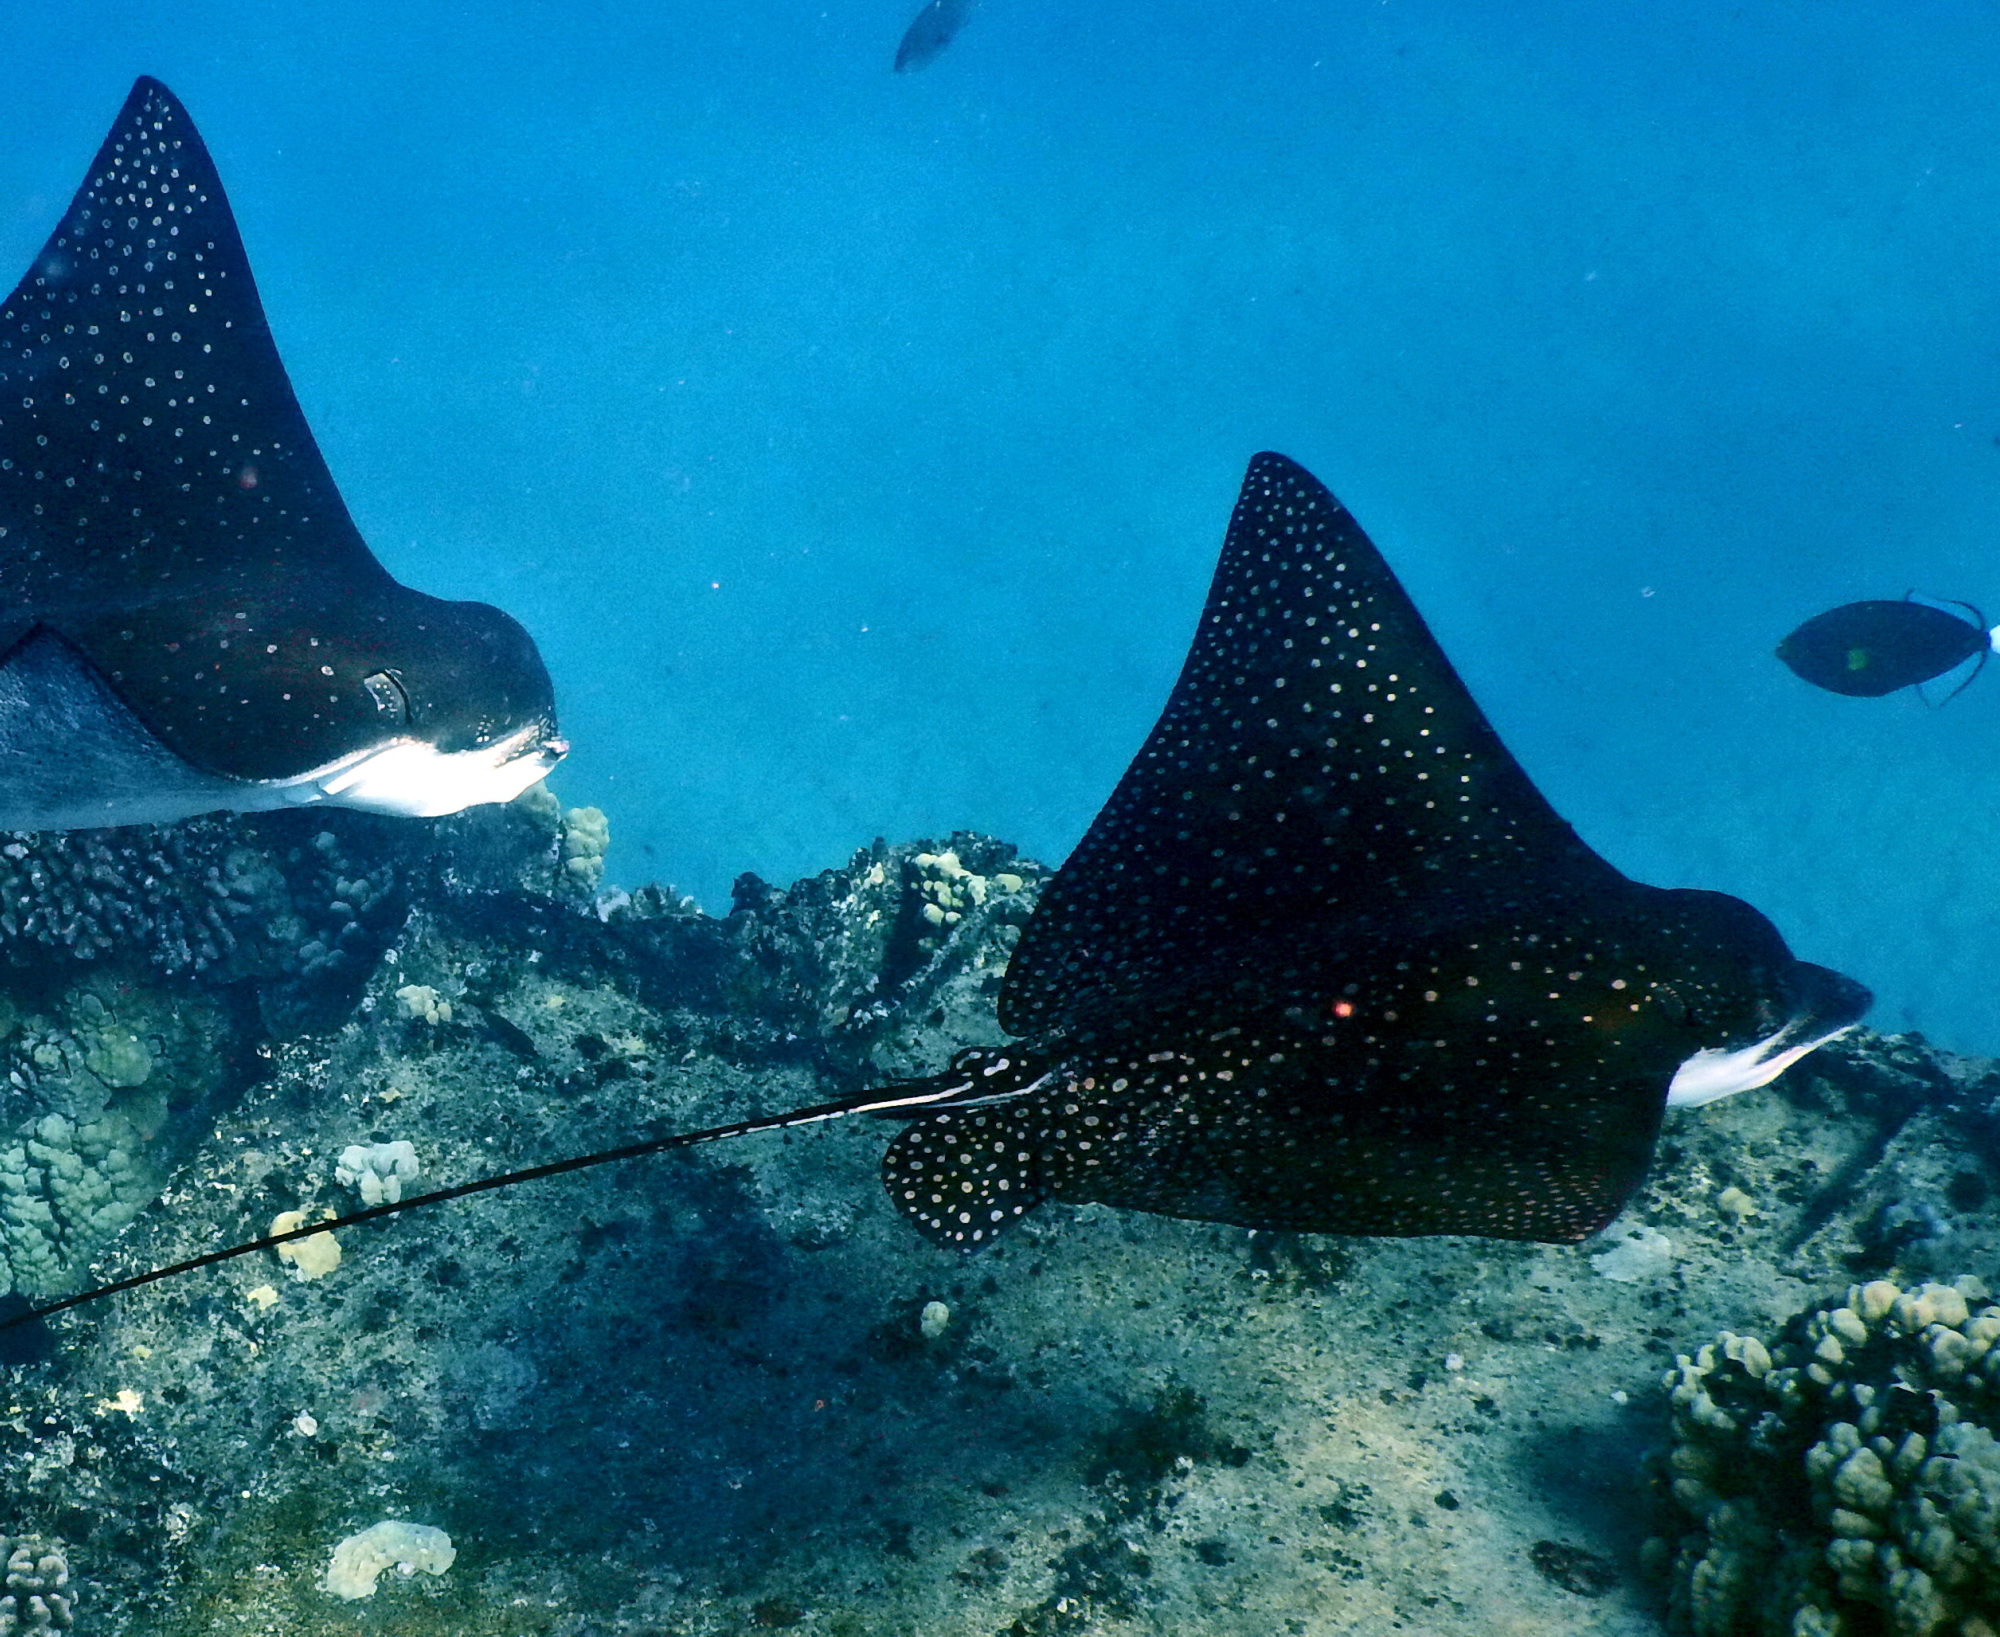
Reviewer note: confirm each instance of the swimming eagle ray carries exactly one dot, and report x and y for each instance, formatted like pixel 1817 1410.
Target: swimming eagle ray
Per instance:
pixel 189 619
pixel 1326 961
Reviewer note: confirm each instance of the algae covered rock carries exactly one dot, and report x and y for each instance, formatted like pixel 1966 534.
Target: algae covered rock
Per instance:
pixel 1845 1480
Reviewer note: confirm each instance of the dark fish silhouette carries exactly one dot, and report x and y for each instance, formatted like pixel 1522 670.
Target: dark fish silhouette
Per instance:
pixel 1326 961
pixel 189 620
pixel 936 26
pixel 1867 649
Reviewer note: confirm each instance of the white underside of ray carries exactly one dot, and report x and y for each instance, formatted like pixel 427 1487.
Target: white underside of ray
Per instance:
pixel 411 779
pixel 73 756
pixel 1712 1072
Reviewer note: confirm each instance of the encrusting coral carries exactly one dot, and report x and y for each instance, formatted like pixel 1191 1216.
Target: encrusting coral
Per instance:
pixel 1845 1481
pixel 586 835
pixel 378 1171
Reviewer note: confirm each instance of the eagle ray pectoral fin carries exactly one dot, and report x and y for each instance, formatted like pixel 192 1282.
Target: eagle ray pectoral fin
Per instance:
pixel 963 1176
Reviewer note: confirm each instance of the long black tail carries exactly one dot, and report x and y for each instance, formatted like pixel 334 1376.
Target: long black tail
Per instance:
pixel 913 1097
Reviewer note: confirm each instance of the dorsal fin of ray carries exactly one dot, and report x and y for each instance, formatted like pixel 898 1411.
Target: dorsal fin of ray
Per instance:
pixel 150 443
pixel 1320 775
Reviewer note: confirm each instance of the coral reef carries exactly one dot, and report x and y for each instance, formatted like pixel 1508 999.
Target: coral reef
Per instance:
pixel 586 834
pixel 1844 1480
pixel 38 1595
pixel 377 1171
pixel 408 1548
pixel 423 1004
pixel 312 1257
pixel 64 1190
pixel 284 898
pixel 108 1076
pixel 126 959
pixel 727 1390
pixel 177 894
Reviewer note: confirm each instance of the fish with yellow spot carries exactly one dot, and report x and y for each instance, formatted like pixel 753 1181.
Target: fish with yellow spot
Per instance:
pixel 1868 649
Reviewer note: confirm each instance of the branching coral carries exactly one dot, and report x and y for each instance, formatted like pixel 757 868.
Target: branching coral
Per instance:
pixel 38 1595
pixel 1844 1482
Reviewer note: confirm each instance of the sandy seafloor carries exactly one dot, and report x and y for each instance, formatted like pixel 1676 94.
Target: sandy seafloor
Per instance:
pixel 693 1395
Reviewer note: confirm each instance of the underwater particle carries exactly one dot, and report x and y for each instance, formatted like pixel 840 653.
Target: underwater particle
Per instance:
pixel 262 1296
pixel 131 1404
pixel 1845 1478
pixel 1735 1204
pixel 934 1320
pixel 1868 649
pixel 1644 1254
pixel 313 1257
pixel 422 1004
pixel 358 1561
pixel 377 1170
pixel 305 1424
pixel 38 1595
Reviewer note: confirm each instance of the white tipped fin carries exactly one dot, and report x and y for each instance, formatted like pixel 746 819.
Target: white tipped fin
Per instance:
pixel 1712 1073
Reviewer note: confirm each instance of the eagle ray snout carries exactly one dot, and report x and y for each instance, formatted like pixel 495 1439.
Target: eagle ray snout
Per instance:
pixel 1825 1005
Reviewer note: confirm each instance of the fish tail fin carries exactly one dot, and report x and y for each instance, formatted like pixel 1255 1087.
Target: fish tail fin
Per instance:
pixel 964 1174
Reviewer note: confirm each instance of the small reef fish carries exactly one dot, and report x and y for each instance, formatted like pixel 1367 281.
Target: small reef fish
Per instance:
pixel 935 27
pixel 189 619
pixel 1326 960
pixel 1868 649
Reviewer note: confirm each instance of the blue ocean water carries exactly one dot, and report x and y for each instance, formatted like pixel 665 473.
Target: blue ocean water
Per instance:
pixel 857 446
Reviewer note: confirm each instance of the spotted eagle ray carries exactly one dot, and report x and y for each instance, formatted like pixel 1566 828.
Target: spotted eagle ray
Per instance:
pixel 1326 961
pixel 189 619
